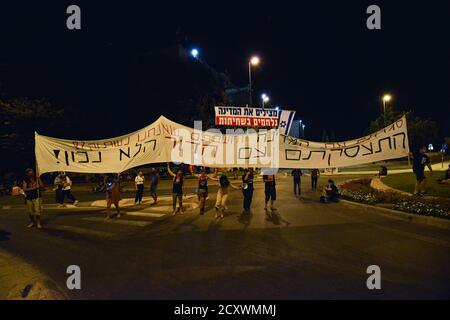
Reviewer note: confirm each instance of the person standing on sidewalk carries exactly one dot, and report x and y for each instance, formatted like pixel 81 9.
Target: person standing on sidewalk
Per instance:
pixel 32 186
pixel 177 190
pixel 315 173
pixel 297 176
pixel 139 184
pixel 247 189
pixel 154 185
pixel 66 190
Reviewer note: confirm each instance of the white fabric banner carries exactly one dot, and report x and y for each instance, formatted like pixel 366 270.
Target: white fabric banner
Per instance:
pixel 168 141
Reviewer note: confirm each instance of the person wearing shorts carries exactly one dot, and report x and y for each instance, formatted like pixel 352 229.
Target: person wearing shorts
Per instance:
pixel 177 190
pixel 31 185
pixel 154 180
pixel 420 160
pixel 222 195
pixel 270 191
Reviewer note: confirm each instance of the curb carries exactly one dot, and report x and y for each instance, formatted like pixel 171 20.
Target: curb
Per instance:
pixel 411 217
pixel 17 274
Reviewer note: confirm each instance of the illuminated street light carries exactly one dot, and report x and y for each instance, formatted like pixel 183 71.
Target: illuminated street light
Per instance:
pixel 194 53
pixel 265 99
pixel 254 61
pixel 386 98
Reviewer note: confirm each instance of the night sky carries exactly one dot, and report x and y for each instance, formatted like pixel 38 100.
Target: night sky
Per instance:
pixel 317 57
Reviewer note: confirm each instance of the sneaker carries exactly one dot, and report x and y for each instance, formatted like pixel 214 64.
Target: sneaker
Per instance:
pixel 39 226
pixel 75 202
pixel 31 225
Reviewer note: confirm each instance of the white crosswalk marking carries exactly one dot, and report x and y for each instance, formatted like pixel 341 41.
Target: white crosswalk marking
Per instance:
pixel 134 223
pixel 145 214
pixel 79 230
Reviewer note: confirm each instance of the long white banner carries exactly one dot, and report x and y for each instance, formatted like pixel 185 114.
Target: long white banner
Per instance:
pixel 168 141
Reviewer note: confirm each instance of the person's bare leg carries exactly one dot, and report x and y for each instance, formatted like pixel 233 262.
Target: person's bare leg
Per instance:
pixel 272 203
pixel 116 204
pixel 108 209
pixel 423 186
pixel 38 222
pixel 174 203
pixel 417 187
pixel 180 201
pixel 31 225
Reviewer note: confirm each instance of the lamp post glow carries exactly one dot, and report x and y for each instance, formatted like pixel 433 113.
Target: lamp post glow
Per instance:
pixel 194 53
pixel 254 61
pixel 386 98
pixel 265 99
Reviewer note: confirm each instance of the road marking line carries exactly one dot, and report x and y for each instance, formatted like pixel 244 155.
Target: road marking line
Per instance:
pixel 144 214
pixel 133 223
pixel 79 230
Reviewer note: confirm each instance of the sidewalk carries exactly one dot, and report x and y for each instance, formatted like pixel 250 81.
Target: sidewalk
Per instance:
pixel 16 274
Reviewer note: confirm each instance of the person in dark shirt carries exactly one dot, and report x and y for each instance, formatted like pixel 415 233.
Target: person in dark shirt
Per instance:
pixel 297 176
pixel 420 160
pixel 154 180
pixel 270 191
pixel 32 186
pixel 315 173
pixel 177 189
pixel 383 171
pixel 331 192
pixel 247 189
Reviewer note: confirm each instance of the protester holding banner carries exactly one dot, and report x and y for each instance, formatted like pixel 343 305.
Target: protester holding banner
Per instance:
pixel 222 195
pixel 112 196
pixel 297 176
pixel 177 190
pixel 202 191
pixel 420 160
pixel 247 189
pixel 139 183
pixel 154 180
pixel 270 191
pixel 32 186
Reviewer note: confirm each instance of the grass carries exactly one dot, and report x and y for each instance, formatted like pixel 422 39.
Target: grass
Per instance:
pixel 406 182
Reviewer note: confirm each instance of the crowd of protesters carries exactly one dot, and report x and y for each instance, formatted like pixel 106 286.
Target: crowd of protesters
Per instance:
pixel 31 188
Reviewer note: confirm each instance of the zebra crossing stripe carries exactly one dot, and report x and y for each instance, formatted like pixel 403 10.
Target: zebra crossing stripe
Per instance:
pixel 144 214
pixel 79 230
pixel 133 223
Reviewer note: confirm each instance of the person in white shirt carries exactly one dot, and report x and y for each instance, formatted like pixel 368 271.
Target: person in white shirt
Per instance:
pixel 66 190
pixel 139 182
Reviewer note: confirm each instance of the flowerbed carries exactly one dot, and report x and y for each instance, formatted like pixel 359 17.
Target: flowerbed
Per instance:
pixel 360 191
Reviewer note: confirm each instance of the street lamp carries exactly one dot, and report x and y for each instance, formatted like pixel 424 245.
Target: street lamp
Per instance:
pixel 265 99
pixel 194 53
pixel 386 98
pixel 254 61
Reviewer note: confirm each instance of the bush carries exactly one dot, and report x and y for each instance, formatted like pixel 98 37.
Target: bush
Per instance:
pixel 360 191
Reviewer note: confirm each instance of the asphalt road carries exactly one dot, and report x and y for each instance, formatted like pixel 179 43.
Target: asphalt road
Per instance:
pixel 307 250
